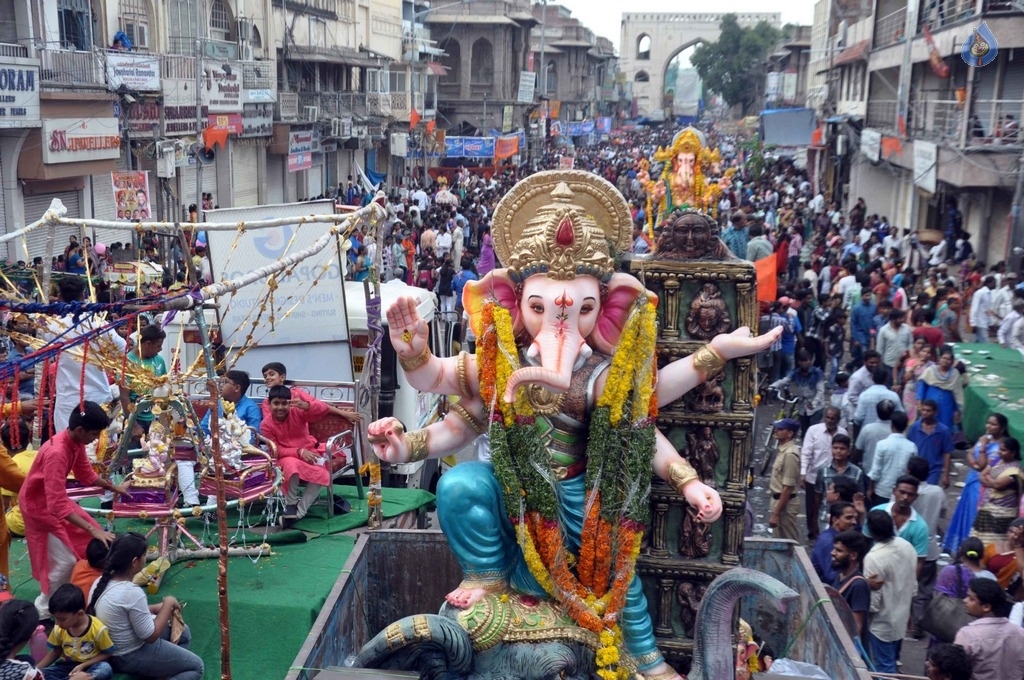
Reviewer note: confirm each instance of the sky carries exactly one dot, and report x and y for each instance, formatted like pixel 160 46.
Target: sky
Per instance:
pixel 604 17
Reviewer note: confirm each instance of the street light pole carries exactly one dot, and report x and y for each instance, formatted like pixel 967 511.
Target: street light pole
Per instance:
pixel 543 63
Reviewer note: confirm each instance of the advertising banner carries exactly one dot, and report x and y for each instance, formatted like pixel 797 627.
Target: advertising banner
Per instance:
pixel 70 140
pixel 506 147
pixel 19 94
pixel 134 71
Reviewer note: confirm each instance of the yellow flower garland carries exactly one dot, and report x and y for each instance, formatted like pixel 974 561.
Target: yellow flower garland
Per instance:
pixel 534 561
pixel 632 366
pixel 506 362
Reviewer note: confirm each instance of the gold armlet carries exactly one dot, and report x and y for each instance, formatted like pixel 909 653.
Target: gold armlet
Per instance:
pixel 463 383
pixel 680 474
pixel 474 423
pixel 708 361
pixel 410 365
pixel 417 443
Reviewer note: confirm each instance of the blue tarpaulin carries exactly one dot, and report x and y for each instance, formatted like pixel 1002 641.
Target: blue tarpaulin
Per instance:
pixel 788 127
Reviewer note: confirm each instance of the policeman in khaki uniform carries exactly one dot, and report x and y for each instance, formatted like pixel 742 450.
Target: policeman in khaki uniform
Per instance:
pixel 785 479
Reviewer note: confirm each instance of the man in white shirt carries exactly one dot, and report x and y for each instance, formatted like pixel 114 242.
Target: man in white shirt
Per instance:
pixel 421 198
pixel 981 309
pixel 74 385
pixel 1006 327
pixel 937 254
pixel 1002 300
pixel 816 454
pixel 817 204
pixel 930 504
pixel 891 568
pixel 442 242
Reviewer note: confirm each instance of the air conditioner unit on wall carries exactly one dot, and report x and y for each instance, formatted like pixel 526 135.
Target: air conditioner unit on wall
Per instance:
pixel 244 29
pixel 165 161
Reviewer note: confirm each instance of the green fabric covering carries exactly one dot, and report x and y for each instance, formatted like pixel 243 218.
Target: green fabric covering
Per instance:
pixel 273 601
pixel 981 400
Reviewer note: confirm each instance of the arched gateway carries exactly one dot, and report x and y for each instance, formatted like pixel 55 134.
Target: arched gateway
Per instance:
pixel 651 40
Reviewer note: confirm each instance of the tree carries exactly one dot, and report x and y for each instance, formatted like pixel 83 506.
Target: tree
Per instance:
pixel 734 66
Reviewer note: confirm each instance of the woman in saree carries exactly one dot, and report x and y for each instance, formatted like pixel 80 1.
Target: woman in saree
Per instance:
pixel 1005 557
pixel 984 454
pixel 944 383
pixel 1000 495
pixel 920 359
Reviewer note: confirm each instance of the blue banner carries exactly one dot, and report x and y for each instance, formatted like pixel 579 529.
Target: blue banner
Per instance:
pixel 478 147
pixel 453 147
pixel 604 125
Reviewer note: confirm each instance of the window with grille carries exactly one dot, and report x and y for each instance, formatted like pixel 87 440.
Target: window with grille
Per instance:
pixel 135 22
pixel 181 19
pixel 220 22
pixel 75 22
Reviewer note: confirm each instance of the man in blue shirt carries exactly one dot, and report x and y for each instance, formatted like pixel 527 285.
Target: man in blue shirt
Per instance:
pixel 934 442
pixel 790 330
pixel 862 326
pixel 841 517
pixel 233 388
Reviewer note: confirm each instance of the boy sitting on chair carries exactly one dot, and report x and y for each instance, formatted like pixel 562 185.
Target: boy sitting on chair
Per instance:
pixel 299 454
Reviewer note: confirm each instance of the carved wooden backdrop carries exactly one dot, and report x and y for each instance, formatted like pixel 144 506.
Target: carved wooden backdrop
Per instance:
pixel 712 428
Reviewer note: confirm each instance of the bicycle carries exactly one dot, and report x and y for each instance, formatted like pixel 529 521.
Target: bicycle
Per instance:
pixel 790 409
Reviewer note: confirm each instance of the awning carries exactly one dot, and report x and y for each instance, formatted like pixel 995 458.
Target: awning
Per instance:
pixel 858 51
pixel 436 68
pixel 471 19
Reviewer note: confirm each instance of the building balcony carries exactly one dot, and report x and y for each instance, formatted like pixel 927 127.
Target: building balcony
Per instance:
pixel 943 13
pixel 402 104
pixel 287 109
pixel 379 103
pixel 328 105
pixel 13 51
pixel 890 29
pixel 259 75
pixel 881 114
pixel 72 69
pixel 942 120
pixel 177 67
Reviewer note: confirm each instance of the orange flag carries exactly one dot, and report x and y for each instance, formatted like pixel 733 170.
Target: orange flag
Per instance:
pixel 767 279
pixel 414 119
pixel 430 126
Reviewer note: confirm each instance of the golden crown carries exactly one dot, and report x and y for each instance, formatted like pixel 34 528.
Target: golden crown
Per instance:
pixel 561 223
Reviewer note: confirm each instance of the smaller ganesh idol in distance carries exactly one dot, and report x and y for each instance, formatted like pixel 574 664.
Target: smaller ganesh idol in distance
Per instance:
pixel 564 381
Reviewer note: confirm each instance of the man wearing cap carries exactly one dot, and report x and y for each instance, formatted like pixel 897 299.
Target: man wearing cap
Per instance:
pixel 994 645
pixel 784 480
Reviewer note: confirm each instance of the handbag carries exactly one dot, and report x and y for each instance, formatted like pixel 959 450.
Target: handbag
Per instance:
pixel 945 615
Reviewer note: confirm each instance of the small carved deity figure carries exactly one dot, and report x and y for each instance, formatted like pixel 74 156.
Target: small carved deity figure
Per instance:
pixel 689 235
pixel 704 453
pixel 689 595
pixel 708 315
pixel 156 450
pixel 708 397
pixel 694 536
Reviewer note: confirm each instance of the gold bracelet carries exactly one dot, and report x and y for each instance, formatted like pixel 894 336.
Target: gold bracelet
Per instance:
pixel 417 443
pixel 410 365
pixel 463 384
pixel 708 361
pixel 680 474
pixel 474 423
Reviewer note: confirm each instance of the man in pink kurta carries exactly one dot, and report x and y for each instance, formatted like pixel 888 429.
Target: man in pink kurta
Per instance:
pixel 299 454
pixel 57 530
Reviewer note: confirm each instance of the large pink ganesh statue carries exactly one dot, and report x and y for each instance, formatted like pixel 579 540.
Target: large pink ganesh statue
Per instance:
pixel 565 382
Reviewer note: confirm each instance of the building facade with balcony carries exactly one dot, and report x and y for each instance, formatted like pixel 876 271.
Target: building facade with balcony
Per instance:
pixel 573 64
pixel 789 69
pixel 938 132
pixel 486 45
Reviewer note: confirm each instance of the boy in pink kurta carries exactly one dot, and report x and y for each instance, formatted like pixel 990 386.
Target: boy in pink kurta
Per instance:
pixel 299 453
pixel 57 530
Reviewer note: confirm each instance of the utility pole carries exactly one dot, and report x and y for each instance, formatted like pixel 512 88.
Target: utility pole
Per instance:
pixel 200 4
pixel 1016 249
pixel 543 71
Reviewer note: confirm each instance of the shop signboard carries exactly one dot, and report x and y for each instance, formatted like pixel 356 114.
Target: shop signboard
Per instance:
pixel 72 140
pixel 19 93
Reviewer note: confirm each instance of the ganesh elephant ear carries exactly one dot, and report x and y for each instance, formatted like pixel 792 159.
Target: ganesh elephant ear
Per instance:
pixel 495 286
pixel 623 292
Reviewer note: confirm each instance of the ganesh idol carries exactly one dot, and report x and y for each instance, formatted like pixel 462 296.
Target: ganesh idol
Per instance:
pixel 564 380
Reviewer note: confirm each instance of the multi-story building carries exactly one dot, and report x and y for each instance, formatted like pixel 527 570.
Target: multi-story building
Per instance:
pixel 573 64
pixel 486 46
pixel 938 131
pixel 258 101
pixel 789 69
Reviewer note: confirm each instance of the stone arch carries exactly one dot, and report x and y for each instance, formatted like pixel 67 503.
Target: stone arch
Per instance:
pixel 643 47
pixel 452 61
pixel 482 62
pixel 642 77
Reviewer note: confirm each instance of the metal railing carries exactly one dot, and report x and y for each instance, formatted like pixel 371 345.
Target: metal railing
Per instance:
pixel 334 104
pixel 287 106
pixel 944 12
pixel 993 125
pixel 378 103
pixel 890 29
pixel 1000 7
pixel 72 69
pixel 881 113
pixel 400 101
pixel 13 50
pixel 177 66
pixel 937 120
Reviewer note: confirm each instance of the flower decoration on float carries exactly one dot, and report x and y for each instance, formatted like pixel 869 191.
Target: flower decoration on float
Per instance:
pixel 562 229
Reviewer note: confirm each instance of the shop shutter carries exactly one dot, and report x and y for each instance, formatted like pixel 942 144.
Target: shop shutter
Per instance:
pixel 275 178
pixel 104 207
pixel 315 177
pixel 35 206
pixel 245 179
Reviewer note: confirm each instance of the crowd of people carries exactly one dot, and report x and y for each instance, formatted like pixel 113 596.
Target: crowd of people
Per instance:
pixel 868 315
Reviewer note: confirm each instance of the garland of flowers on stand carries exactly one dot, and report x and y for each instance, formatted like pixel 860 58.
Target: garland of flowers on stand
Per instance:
pixel 591 586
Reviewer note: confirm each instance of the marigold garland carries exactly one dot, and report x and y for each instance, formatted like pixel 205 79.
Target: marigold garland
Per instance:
pixel 593 587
